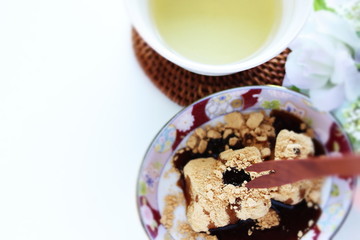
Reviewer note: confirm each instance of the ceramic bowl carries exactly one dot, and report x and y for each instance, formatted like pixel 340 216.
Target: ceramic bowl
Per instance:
pixel 294 14
pixel 153 185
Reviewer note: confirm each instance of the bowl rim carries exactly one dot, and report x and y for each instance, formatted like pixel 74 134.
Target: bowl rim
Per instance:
pixel 268 87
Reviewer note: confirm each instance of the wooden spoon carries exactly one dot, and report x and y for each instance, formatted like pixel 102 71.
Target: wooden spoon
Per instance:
pixel 289 171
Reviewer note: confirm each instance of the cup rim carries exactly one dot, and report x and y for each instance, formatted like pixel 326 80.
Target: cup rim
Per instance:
pixel 154 41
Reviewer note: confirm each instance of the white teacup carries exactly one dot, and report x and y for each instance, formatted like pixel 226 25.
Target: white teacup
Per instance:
pixel 294 14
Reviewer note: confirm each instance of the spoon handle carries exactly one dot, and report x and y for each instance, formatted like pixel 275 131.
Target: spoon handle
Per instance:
pixel 289 171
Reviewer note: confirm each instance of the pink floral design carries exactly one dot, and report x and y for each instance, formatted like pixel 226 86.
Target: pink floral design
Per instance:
pixel 147 214
pixel 150 217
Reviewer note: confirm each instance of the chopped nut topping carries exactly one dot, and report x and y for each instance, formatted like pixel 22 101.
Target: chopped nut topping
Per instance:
pixel 311 223
pixel 265 152
pixel 233 141
pixel 171 203
pixel 234 120
pixel 213 134
pixel 271 219
pixel 262 138
pixel 254 120
pixel 227 132
pixel 201 133
pixel 202 146
pixel 192 142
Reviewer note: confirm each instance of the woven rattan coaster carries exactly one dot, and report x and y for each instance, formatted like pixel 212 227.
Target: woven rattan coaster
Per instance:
pixel 184 87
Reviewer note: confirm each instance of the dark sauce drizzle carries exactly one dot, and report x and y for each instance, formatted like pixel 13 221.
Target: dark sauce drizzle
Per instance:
pixel 285 120
pixel 214 148
pixel 293 218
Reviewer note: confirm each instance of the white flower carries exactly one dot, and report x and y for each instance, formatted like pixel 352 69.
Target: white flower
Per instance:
pixel 185 121
pixel 322 61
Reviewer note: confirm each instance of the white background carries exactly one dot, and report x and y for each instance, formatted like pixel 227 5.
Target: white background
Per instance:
pixel 77 114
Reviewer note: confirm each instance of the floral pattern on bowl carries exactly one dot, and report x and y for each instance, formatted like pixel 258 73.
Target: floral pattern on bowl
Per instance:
pixel 151 184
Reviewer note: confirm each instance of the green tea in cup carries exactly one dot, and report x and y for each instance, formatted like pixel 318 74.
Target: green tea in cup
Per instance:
pixel 216 32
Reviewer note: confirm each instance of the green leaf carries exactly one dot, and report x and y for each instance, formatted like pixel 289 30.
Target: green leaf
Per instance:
pixel 335 191
pixel 321 5
pixel 275 104
pixel 295 89
pixel 157 165
pixel 358 65
pixel 142 188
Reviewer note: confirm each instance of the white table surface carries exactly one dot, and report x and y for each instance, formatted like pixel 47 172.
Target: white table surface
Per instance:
pixel 77 114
